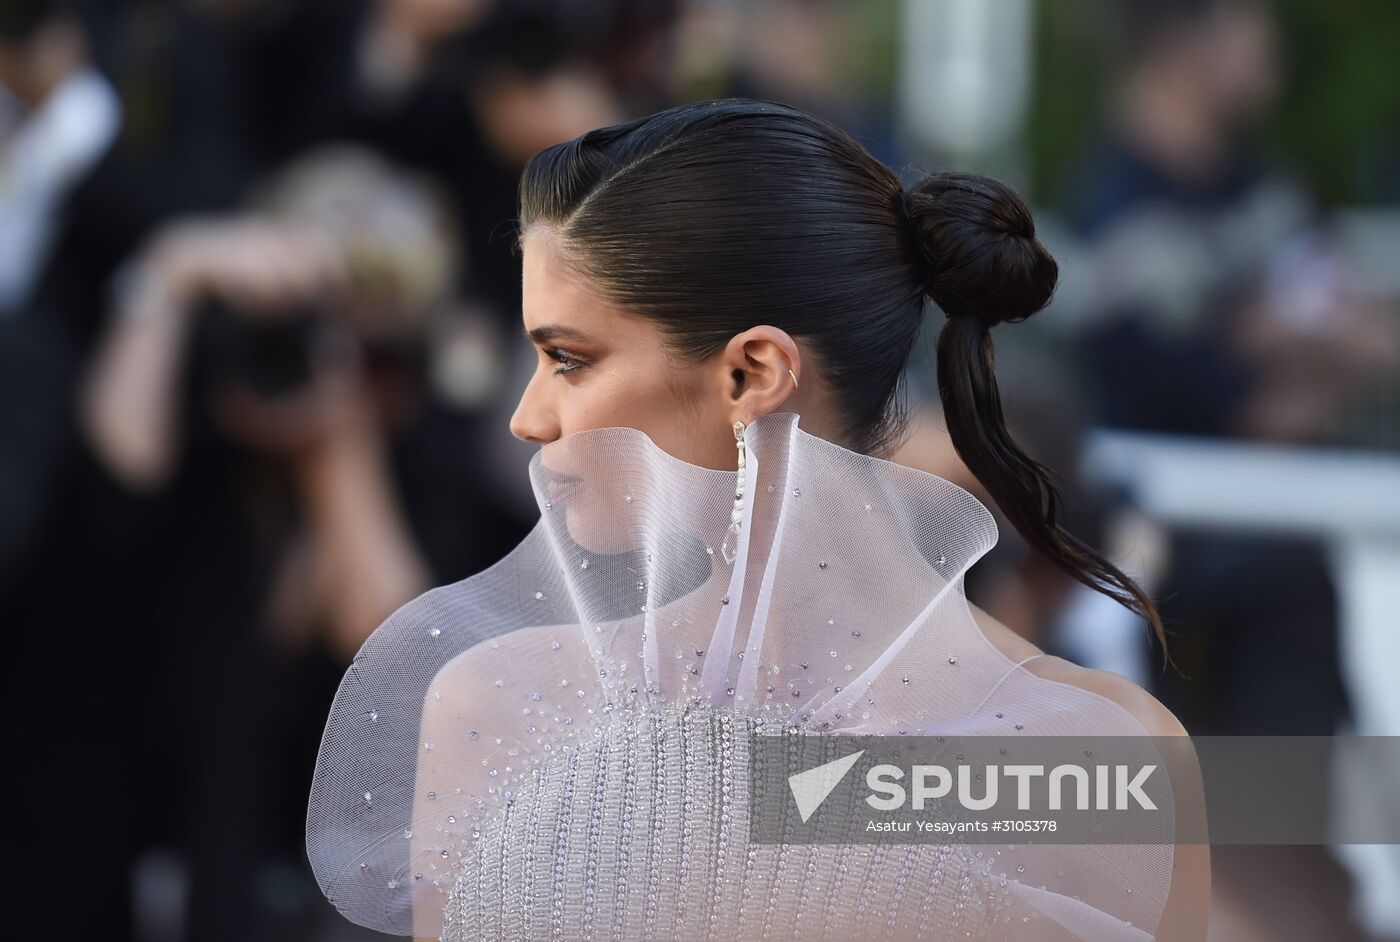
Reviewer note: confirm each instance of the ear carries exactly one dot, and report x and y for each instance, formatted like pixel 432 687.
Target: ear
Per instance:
pixel 756 364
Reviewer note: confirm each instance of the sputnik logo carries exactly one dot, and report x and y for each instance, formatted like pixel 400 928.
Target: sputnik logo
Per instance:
pixel 810 788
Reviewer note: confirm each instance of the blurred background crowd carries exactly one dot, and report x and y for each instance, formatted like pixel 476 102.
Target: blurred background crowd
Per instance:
pixel 260 337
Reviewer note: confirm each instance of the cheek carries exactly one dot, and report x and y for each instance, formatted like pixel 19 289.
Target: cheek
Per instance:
pixel 646 402
pixel 679 421
pixel 617 397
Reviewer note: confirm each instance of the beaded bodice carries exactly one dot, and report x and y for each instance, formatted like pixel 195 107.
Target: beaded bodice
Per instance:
pixel 642 832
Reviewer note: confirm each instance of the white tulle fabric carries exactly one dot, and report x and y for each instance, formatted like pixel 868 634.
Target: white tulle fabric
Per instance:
pixel 842 613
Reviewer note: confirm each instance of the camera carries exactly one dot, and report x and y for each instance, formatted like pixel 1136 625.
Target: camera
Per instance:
pixel 273 354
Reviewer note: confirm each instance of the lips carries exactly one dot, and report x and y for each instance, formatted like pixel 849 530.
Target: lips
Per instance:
pixel 557 484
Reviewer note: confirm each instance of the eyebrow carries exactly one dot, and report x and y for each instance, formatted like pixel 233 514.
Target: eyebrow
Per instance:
pixel 548 332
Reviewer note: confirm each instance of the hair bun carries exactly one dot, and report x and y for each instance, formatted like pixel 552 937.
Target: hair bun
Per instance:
pixel 978 249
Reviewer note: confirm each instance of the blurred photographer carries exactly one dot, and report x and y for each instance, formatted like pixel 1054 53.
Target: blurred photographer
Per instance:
pixel 311 329
pixel 290 398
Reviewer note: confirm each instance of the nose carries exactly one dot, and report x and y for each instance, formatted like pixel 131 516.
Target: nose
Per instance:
pixel 534 419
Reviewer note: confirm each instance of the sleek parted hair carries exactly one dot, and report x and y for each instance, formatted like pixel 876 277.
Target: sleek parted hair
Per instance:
pixel 712 217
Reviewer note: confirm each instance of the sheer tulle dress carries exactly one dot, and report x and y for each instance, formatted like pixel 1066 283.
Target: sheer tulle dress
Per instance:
pixel 557 747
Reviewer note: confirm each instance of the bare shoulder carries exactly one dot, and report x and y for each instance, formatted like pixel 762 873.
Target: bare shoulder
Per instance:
pixel 1186 913
pixel 1145 708
pixel 467 682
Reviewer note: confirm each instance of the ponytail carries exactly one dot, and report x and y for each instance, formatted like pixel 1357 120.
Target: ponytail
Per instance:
pixel 984 266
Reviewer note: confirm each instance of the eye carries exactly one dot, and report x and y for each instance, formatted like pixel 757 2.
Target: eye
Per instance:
pixel 570 361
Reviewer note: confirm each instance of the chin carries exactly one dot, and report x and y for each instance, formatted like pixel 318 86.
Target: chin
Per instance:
pixel 596 530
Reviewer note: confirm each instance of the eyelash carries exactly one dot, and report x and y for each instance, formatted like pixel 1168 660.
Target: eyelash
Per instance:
pixel 571 362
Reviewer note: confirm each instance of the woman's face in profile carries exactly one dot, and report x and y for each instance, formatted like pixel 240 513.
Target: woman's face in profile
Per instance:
pixel 599 366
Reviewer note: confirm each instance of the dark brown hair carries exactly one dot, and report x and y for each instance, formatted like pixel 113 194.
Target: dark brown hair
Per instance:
pixel 715 216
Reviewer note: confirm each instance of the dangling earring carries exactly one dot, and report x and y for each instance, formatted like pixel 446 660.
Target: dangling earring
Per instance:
pixel 730 547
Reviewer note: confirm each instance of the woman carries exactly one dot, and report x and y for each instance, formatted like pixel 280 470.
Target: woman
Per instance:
pixel 557 746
